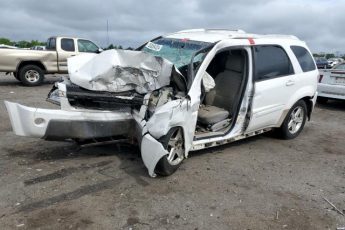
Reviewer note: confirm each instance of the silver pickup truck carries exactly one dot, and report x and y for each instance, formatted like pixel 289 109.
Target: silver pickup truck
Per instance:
pixel 30 66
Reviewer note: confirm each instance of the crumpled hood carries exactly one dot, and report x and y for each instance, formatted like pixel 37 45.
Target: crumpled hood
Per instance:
pixel 119 71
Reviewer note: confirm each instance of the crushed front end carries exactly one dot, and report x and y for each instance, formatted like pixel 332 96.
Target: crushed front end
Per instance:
pixel 137 99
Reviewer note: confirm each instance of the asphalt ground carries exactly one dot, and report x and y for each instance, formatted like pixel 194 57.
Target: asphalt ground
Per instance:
pixel 258 183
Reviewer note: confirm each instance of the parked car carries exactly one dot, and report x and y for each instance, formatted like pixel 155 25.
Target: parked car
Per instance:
pixel 185 91
pixel 333 62
pixel 321 62
pixel 3 46
pixel 29 66
pixel 332 84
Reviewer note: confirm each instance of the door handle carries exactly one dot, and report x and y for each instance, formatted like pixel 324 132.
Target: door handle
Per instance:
pixel 290 82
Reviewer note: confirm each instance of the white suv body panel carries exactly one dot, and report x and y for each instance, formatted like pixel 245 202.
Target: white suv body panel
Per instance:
pixel 273 98
pixel 263 107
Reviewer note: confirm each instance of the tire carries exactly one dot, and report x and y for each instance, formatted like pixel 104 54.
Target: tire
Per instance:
pixel 294 121
pixel 168 164
pixel 31 75
pixel 322 100
pixel 16 76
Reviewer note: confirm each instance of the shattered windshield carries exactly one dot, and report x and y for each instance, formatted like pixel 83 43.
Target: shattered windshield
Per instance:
pixel 178 51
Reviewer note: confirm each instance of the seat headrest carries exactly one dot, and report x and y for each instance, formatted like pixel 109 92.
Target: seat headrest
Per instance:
pixel 234 63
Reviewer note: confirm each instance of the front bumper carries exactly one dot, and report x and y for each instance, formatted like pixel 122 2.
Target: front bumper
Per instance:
pixel 60 124
pixel 331 91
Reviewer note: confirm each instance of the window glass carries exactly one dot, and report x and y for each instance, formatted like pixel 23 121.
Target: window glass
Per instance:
pixel 271 62
pixel 87 46
pixel 51 44
pixel 67 44
pixel 304 58
pixel 178 51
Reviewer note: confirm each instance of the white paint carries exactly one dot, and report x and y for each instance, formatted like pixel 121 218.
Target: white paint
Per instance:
pixel 151 152
pixel 263 103
pixel 120 71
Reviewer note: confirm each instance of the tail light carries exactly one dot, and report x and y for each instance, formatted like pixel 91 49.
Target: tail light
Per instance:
pixel 320 78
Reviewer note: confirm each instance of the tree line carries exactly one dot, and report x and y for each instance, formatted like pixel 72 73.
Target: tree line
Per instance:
pixel 22 43
pixel 119 47
pixel 328 55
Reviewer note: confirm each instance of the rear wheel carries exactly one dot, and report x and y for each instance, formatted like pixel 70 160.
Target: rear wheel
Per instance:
pixel 173 142
pixel 294 121
pixel 31 75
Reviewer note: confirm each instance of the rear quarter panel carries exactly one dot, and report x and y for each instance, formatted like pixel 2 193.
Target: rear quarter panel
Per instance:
pixel 305 82
pixel 10 59
pixel 307 88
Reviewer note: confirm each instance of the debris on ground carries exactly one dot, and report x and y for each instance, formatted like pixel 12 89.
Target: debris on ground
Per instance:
pixel 338 210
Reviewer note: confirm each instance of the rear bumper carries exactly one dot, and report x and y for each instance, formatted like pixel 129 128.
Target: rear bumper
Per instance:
pixel 60 124
pixel 331 91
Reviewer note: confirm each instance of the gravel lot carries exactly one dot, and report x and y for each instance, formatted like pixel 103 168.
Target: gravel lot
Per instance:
pixel 258 183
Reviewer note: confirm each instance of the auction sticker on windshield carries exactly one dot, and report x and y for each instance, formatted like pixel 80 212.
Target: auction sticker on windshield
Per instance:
pixel 153 46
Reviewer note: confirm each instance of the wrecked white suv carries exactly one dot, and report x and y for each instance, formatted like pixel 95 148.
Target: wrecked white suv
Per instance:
pixel 185 91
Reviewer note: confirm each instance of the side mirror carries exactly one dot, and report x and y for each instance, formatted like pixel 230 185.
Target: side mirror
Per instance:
pixel 100 50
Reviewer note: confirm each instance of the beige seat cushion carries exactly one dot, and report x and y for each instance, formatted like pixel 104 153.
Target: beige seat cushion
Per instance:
pixel 228 83
pixel 209 114
pixel 220 100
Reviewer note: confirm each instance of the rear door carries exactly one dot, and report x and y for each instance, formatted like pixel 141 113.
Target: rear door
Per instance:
pixel 66 49
pixel 274 83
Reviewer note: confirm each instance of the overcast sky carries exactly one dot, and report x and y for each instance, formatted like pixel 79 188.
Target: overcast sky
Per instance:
pixel 132 22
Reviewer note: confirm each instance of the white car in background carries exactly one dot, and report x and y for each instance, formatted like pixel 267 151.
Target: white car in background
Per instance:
pixel 332 83
pixel 334 61
pixel 3 46
pixel 185 91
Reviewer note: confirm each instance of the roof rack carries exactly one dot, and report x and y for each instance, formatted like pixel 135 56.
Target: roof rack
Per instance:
pixel 268 36
pixel 210 30
pixel 239 34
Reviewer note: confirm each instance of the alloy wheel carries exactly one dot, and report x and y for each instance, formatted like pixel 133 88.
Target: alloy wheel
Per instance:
pixel 296 120
pixel 176 148
pixel 32 76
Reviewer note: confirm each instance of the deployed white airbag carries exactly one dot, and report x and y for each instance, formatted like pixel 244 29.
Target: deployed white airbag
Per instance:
pixel 119 71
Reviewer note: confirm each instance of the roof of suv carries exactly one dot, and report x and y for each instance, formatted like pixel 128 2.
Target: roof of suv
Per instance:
pixel 214 35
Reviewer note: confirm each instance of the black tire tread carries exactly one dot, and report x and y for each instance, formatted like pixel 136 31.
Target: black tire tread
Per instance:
pixel 163 167
pixel 283 131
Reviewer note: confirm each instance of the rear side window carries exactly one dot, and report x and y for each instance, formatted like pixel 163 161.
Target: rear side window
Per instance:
pixel 271 62
pixel 51 44
pixel 67 44
pixel 304 58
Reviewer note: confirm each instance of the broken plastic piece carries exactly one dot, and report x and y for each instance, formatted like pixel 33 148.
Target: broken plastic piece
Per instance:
pixel 208 82
pixel 151 152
